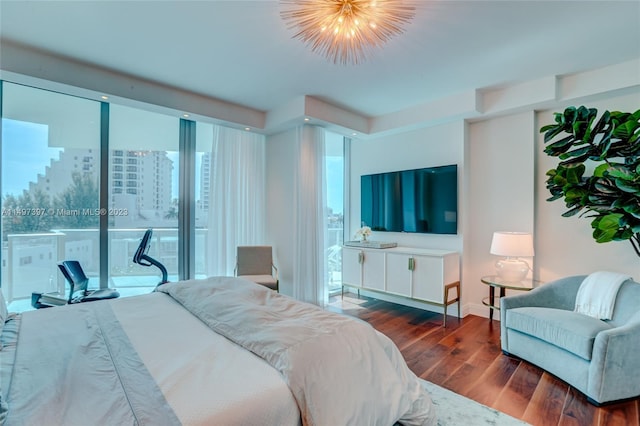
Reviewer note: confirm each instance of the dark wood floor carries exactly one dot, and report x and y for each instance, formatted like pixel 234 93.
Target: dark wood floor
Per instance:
pixel 466 358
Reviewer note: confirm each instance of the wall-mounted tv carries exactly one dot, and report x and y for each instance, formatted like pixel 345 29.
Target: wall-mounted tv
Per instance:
pixel 420 200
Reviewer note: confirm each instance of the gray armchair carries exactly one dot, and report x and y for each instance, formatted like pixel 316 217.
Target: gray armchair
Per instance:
pixel 255 263
pixel 599 358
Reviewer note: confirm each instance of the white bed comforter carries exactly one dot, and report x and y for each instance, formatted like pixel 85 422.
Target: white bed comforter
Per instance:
pixel 340 370
pixel 221 351
pixel 141 360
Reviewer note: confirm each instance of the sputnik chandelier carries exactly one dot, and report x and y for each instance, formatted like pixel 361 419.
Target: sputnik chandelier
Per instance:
pixel 345 31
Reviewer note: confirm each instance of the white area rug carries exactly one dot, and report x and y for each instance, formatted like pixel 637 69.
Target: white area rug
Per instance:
pixel 456 410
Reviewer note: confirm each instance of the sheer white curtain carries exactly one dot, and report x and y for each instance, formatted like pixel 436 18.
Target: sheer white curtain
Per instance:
pixel 237 201
pixel 310 217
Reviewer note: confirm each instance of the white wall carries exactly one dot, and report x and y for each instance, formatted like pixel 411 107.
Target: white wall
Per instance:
pixel 280 161
pixel 499 196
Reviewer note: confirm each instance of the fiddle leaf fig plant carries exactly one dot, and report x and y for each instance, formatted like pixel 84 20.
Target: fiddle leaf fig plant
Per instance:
pixel 598 175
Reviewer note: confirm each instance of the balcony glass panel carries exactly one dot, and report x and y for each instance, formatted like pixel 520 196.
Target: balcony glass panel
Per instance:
pixel 50 187
pixel 334 163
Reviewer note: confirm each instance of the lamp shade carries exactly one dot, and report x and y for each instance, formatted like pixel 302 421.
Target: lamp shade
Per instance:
pixel 512 244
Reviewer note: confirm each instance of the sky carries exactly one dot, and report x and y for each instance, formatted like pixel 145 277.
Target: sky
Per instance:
pixel 334 166
pixel 24 154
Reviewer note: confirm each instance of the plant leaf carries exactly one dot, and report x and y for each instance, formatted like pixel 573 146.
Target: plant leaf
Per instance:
pixel 603 236
pixel 610 221
pixel 553 131
pixel 620 171
pixel 626 130
pixel 559 146
pixel 599 171
pixel 574 174
pixel 572 212
pixel 575 153
pixel 629 187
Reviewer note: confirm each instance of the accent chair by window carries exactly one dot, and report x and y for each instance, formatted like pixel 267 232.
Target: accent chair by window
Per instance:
pixel 255 263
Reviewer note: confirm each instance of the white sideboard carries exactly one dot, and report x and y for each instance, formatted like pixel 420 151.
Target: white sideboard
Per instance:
pixel 426 275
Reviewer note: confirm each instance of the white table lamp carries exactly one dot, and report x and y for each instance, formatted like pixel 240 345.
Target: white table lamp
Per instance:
pixel 512 245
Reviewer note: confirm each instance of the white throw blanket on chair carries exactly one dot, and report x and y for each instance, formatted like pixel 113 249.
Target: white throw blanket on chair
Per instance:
pixel 597 294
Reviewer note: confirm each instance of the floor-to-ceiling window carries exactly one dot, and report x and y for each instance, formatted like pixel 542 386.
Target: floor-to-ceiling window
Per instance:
pixel 49 187
pixel 83 179
pixel 334 161
pixel 143 193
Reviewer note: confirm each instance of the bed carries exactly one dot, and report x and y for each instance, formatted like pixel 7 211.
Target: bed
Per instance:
pixel 219 351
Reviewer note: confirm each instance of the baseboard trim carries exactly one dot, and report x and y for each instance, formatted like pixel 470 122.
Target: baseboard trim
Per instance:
pixel 481 310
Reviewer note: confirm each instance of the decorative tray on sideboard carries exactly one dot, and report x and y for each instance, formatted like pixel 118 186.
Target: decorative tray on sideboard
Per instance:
pixel 371 244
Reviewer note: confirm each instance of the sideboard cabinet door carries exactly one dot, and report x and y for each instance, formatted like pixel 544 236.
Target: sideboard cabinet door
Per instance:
pixel 352 266
pixel 428 282
pixel 373 270
pixel 398 274
pixel 431 274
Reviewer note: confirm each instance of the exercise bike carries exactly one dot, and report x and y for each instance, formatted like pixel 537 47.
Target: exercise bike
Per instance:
pixel 142 258
pixel 78 281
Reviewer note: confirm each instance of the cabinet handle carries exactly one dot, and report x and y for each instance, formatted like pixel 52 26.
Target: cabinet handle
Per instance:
pixel 412 264
pixel 361 257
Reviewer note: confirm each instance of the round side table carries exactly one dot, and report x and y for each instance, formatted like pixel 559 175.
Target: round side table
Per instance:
pixel 494 281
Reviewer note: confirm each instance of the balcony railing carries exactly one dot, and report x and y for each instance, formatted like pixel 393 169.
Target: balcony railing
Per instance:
pixel 29 261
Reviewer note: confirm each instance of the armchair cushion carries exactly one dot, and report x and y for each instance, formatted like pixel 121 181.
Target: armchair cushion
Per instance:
pixel 568 330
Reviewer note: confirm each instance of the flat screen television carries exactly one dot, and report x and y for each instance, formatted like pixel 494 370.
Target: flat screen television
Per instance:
pixel 419 200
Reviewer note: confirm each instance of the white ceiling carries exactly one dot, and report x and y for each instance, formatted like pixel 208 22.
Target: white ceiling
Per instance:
pixel 242 52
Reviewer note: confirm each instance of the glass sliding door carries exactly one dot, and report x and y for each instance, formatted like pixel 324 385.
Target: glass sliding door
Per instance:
pixel 334 163
pixel 143 193
pixel 50 189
